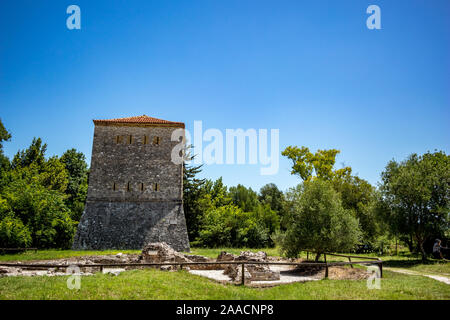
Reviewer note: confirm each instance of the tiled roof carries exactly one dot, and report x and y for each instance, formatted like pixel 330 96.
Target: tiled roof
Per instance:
pixel 139 120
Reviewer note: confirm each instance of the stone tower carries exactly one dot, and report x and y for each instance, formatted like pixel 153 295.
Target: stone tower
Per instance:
pixel 135 193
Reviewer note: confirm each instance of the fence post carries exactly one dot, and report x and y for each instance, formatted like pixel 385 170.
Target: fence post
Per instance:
pixel 380 266
pixel 326 265
pixel 243 275
pixel 350 260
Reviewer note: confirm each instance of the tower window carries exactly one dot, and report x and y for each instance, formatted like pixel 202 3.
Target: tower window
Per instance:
pixel 156 187
pixel 130 139
pixel 118 139
pixel 128 186
pixel 156 140
pixel 145 140
pixel 114 186
pixel 142 187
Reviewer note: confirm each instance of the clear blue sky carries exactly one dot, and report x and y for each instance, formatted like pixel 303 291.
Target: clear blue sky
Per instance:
pixel 309 68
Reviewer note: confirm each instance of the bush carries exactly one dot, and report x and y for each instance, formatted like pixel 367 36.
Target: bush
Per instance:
pixel 44 213
pixel 229 226
pixel 13 234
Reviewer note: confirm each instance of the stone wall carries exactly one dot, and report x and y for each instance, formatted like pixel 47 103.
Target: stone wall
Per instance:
pixel 135 191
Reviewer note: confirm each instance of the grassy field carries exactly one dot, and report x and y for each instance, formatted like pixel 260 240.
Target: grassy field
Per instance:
pixel 405 261
pixel 56 254
pixel 155 284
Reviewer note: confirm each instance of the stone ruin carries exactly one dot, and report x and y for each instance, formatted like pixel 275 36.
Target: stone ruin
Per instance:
pixel 160 252
pixel 252 272
pixel 157 252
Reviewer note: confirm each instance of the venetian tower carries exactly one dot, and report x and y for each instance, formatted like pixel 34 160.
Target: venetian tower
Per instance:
pixel 135 193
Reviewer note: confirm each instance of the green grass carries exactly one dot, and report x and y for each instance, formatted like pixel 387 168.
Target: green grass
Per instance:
pixel 405 261
pixel 155 284
pixel 214 252
pixel 430 266
pixel 57 254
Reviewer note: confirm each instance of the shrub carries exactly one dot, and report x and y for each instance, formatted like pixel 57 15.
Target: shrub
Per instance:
pixel 13 234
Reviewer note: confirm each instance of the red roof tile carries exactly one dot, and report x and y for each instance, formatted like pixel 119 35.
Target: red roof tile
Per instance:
pixel 139 120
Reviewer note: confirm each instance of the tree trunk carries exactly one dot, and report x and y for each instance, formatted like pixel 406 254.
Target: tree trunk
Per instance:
pixel 422 250
pixel 317 257
pixel 411 244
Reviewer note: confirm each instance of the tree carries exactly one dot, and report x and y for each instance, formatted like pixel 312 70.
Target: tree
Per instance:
pixel 271 195
pixel 32 201
pixel 416 193
pixel 318 221
pixel 42 211
pixel 230 226
pixel 4 134
pixel 4 161
pixel 359 196
pixel 34 154
pixel 356 194
pixel 314 165
pixel 193 193
pixel 76 166
pixel 244 198
pixel 13 234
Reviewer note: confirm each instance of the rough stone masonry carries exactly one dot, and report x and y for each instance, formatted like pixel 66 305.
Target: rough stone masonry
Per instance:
pixel 135 193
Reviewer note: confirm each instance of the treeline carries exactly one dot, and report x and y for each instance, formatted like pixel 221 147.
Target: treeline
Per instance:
pixel 330 210
pixel 41 199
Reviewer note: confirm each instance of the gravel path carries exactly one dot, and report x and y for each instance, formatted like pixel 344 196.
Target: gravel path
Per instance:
pixel 285 276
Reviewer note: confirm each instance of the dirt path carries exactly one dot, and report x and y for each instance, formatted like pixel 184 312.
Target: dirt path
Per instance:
pixel 440 278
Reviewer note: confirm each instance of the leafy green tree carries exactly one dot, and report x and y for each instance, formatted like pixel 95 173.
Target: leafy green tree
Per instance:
pixel 230 226
pixel 271 195
pixel 219 227
pixel 34 154
pixel 416 194
pixel 310 165
pixel 4 161
pixel 267 218
pixel 359 196
pixel 42 211
pixel 318 221
pixel 193 199
pixel 4 134
pixel 13 234
pixel 77 169
pixel 244 198
pixel 218 192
